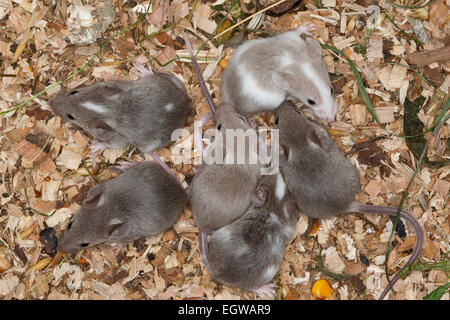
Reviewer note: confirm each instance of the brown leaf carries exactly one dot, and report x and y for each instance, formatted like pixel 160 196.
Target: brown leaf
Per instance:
pixel 158 16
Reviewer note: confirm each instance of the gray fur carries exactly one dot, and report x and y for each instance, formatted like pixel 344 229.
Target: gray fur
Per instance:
pixel 247 252
pixel 135 113
pixel 276 65
pixel 220 193
pixel 144 200
pixel 317 173
pixel 322 180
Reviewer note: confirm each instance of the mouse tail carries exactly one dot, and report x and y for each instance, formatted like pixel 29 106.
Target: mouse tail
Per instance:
pixel 199 75
pixel 392 211
pixel 203 247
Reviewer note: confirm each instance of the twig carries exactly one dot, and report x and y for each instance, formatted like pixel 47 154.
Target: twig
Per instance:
pixel 248 18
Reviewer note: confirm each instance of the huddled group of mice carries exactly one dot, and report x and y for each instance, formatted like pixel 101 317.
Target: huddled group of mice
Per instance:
pixel 246 219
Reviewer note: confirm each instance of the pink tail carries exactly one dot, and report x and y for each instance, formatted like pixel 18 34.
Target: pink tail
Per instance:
pixel 199 75
pixel 163 164
pixel 392 211
pixel 203 247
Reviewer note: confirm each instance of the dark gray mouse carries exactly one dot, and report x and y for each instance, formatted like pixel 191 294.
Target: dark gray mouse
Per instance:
pixel 262 73
pixel 322 180
pixel 144 200
pixel 141 113
pixel 221 192
pixel 247 252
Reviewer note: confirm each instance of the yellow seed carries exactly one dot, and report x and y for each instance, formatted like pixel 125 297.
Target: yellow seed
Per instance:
pixel 19 51
pixel 224 62
pixel 337 132
pixel 25 233
pixel 322 289
pixel 40 265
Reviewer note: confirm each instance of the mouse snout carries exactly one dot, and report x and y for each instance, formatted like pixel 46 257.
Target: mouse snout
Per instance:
pixel 326 114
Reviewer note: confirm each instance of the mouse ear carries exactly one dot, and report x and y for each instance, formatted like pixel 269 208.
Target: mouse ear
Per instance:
pixel 110 91
pixel 313 138
pixel 290 208
pixel 102 130
pixel 94 196
pixel 116 228
pixel 282 80
pixel 259 196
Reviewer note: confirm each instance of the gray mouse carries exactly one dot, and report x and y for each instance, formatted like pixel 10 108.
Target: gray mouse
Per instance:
pixel 247 252
pixel 141 113
pixel 220 193
pixel 262 73
pixel 144 200
pixel 322 180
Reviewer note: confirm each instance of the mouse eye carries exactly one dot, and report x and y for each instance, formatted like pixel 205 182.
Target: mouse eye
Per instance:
pixel 276 121
pixel 332 90
pixel 70 225
pixel 311 102
pixel 70 116
pixel 219 127
pixel 84 245
pixel 73 92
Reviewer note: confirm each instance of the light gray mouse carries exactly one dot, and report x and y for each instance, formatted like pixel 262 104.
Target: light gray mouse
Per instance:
pixel 141 113
pixel 144 200
pixel 262 73
pixel 247 252
pixel 322 180
pixel 221 192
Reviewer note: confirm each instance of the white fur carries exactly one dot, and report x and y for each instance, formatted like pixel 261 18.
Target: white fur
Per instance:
pixel 328 107
pixel 94 107
pixel 261 96
pixel 280 189
pixel 169 107
pixel 224 234
pixel 271 271
pixel 274 219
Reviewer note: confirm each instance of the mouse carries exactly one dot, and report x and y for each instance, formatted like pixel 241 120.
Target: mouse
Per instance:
pixel 247 252
pixel 118 113
pixel 142 201
pixel 221 192
pixel 264 72
pixel 322 180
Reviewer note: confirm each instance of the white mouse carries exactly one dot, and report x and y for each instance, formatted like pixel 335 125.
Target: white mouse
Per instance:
pixel 262 73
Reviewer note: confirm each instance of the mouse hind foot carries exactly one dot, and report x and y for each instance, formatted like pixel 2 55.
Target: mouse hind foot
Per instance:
pixel 126 164
pixel 305 29
pixel 267 290
pixel 143 71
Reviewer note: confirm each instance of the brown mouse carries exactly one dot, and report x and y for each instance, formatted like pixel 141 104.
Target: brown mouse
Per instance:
pixel 322 180
pixel 222 192
pixel 247 252
pixel 144 200
pixel 141 113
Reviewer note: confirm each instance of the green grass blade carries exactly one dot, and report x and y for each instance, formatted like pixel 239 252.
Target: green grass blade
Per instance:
pixel 359 81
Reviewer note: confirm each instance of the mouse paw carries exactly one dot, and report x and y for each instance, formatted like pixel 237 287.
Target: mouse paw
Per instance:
pixel 267 290
pixel 126 164
pixel 305 29
pixel 95 148
pixel 142 71
pixel 117 247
